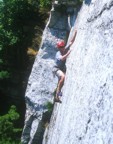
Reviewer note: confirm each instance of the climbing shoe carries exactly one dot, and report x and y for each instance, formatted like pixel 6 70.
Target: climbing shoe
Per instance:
pixel 57 99
pixel 59 94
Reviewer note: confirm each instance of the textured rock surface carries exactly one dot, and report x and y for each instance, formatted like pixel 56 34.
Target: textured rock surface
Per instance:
pixel 86 114
pixel 42 83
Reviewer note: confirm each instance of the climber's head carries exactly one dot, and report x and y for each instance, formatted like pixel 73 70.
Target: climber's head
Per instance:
pixel 60 44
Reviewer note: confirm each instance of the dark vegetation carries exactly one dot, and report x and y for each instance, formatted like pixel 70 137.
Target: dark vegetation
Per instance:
pixel 21 26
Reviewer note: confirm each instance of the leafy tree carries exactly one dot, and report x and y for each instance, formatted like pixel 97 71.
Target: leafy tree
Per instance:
pixel 14 14
pixel 8 132
pixel 45 3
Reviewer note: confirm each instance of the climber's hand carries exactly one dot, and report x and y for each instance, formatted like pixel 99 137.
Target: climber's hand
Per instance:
pixel 71 48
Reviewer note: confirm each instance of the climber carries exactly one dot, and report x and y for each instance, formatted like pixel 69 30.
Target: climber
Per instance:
pixel 60 67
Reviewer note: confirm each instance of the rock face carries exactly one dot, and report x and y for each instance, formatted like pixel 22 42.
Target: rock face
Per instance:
pixel 86 113
pixel 42 83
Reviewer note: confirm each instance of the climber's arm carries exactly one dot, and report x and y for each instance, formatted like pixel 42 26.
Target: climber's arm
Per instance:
pixel 68 46
pixel 66 55
pixel 71 42
pixel 74 37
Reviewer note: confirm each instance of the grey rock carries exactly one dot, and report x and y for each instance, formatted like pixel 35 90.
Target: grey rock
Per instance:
pixel 86 113
pixel 42 83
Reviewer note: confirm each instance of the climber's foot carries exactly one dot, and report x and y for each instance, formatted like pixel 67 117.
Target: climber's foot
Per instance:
pixel 59 94
pixel 57 99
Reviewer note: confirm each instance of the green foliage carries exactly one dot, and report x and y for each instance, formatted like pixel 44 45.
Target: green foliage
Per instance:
pixel 12 12
pixel 14 17
pixel 47 115
pixel 80 1
pixel 1 61
pixel 8 132
pixel 4 74
pixel 45 3
pixel 49 107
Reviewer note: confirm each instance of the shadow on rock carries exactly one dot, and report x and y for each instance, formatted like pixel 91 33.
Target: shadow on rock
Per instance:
pixel 87 2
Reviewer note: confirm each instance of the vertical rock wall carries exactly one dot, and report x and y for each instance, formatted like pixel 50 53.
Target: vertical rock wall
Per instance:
pixel 86 113
pixel 42 83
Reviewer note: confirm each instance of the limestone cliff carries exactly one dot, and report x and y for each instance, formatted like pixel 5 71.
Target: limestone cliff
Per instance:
pixel 86 113
pixel 42 82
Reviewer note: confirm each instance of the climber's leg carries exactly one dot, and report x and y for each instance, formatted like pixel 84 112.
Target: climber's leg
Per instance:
pixel 61 77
